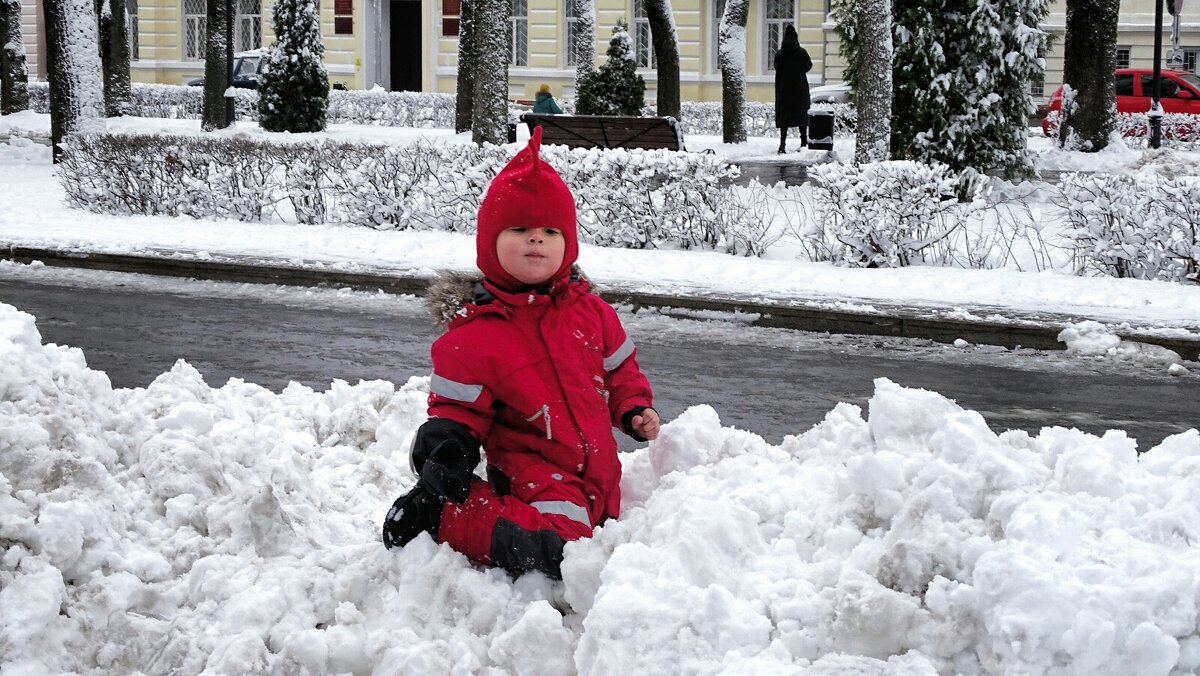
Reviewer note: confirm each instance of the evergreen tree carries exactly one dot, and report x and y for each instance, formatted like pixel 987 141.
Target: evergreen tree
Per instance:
pixel 616 88
pixel 294 93
pixel 14 78
pixel 960 72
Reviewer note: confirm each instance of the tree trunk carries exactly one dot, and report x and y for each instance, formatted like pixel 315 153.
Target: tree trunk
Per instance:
pixel 585 40
pixel 468 55
pixel 731 48
pixel 114 55
pixel 666 54
pixel 216 71
pixel 73 65
pixel 14 78
pixel 489 122
pixel 1089 59
pixel 873 19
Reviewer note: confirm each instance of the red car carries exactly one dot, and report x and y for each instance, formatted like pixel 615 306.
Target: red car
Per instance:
pixel 1179 92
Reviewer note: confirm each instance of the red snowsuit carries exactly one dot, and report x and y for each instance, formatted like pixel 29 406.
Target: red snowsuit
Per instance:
pixel 539 379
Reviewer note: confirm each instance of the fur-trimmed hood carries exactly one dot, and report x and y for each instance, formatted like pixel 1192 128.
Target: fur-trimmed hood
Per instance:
pixel 450 292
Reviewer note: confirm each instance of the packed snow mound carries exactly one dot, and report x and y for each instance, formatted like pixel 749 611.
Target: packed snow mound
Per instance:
pixel 182 528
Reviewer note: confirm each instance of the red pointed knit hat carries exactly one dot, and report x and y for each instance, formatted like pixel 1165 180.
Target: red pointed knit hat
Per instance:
pixel 527 193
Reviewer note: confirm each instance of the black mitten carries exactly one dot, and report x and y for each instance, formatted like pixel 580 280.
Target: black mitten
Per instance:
pixel 448 472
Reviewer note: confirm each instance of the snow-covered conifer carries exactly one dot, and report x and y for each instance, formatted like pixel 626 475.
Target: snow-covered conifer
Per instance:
pixel 294 93
pixel 14 78
pixel 960 76
pixel 731 56
pixel 616 88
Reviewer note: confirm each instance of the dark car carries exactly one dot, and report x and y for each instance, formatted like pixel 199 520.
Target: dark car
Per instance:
pixel 1179 92
pixel 247 70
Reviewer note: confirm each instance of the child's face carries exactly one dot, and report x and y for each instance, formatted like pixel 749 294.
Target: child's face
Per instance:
pixel 531 255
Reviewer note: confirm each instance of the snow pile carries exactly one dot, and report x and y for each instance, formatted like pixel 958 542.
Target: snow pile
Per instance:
pixel 1093 339
pixel 181 528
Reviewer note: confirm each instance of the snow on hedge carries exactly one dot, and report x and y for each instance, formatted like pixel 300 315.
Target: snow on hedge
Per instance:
pixel 180 528
pixel 426 109
pixel 629 198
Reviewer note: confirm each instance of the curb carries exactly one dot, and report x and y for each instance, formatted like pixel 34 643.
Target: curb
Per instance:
pixel 902 323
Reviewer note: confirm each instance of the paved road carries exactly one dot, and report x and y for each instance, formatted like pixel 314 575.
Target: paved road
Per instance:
pixel 770 381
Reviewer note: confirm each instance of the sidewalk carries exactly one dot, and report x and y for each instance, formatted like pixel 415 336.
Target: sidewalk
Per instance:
pixel 850 316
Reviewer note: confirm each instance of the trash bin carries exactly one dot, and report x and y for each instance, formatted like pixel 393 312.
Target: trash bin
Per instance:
pixel 512 132
pixel 820 129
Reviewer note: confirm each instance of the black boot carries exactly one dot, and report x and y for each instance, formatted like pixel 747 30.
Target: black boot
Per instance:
pixel 417 511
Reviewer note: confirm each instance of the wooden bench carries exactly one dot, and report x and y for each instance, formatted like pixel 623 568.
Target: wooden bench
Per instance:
pixel 605 131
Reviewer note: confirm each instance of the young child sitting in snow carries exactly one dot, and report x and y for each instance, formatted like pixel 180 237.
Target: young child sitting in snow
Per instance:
pixel 537 370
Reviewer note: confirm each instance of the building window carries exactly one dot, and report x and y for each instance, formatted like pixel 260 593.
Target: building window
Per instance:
pixel 248 27
pixel 718 11
pixel 1037 86
pixel 131 24
pixel 1122 57
pixel 779 13
pixel 643 46
pixel 518 54
pixel 451 14
pixel 1190 59
pixel 570 26
pixel 195 15
pixel 343 17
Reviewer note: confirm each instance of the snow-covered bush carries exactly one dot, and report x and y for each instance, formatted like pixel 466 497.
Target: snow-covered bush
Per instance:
pixel 628 198
pixel 889 214
pixel 1144 226
pixel 1179 130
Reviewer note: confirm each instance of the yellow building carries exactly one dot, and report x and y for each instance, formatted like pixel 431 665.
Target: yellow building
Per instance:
pixel 413 44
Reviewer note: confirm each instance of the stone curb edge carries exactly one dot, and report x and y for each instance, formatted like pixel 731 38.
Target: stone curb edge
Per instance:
pixel 820 320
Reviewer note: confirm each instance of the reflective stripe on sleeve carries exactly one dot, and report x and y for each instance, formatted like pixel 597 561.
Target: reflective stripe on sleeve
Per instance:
pixel 615 359
pixel 444 387
pixel 570 510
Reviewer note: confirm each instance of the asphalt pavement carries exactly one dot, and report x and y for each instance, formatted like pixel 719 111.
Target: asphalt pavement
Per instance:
pixel 1035 331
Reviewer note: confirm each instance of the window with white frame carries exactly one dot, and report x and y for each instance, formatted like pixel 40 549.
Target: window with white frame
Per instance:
pixel 248 27
pixel 571 22
pixel 195 15
pixel 779 13
pixel 131 25
pixel 718 11
pixel 643 46
pixel 1190 57
pixel 518 54
pixel 1122 57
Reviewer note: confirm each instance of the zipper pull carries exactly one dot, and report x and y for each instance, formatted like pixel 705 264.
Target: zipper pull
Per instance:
pixel 544 412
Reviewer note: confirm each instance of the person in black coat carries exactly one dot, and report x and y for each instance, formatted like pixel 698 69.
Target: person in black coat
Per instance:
pixel 792 64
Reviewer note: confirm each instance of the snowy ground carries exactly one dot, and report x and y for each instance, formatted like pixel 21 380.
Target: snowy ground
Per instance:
pixel 181 528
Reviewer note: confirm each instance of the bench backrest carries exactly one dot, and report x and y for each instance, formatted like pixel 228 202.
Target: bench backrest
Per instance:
pixel 607 131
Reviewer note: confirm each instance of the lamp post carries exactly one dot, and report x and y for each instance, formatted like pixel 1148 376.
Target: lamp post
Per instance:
pixel 1155 113
pixel 230 9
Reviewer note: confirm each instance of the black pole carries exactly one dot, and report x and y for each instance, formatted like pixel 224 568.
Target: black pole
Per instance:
pixel 230 9
pixel 1155 105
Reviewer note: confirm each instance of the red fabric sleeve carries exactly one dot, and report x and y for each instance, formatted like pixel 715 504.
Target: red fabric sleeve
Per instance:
pixel 458 390
pixel 626 384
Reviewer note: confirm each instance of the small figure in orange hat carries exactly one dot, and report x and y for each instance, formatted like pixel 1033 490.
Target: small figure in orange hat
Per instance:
pixel 535 370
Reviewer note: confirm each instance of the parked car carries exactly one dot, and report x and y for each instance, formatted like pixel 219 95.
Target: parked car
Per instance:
pixel 1179 92
pixel 247 70
pixel 831 93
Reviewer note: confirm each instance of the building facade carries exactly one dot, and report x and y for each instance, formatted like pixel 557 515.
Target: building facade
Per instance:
pixel 413 44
